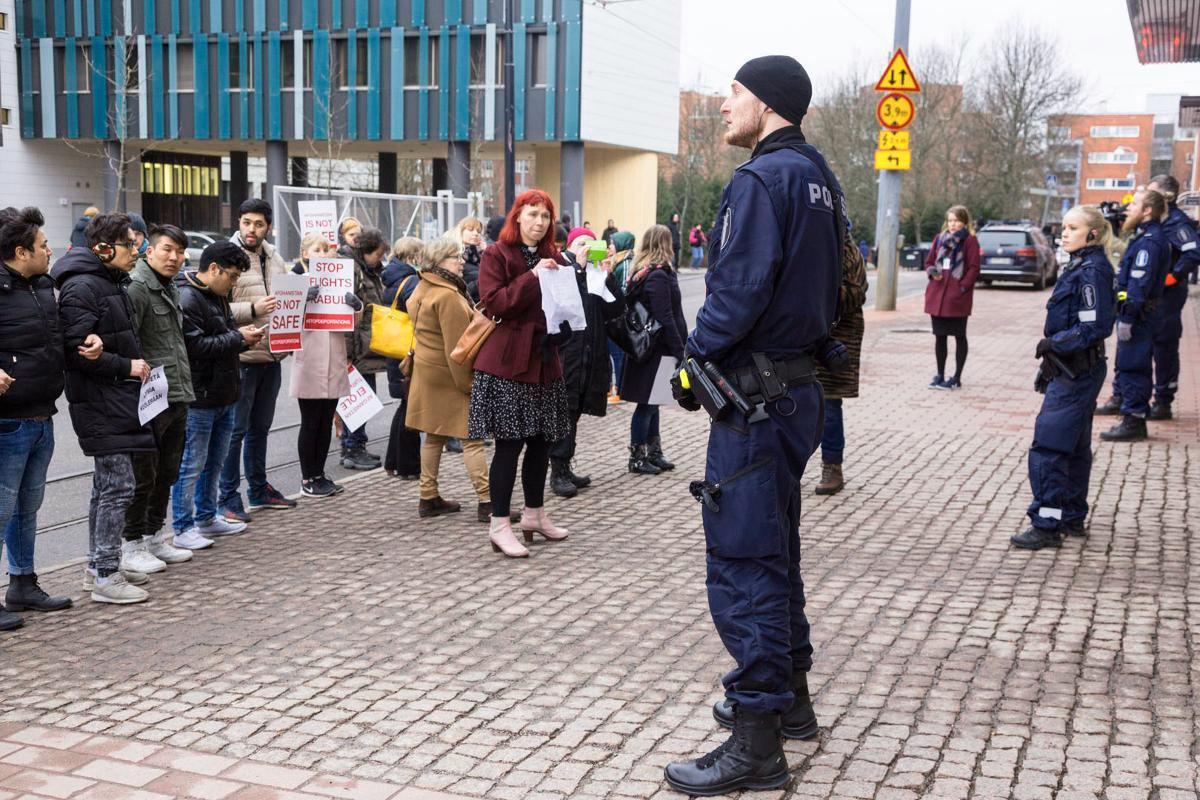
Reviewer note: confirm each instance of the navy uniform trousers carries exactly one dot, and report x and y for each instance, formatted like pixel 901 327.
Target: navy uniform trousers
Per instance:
pixel 1060 460
pixel 755 591
pixel 1135 365
pixel 1166 343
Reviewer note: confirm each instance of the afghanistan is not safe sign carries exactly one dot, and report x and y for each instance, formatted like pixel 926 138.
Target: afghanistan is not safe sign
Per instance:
pixel 318 216
pixel 287 320
pixel 153 399
pixel 333 277
pixel 360 405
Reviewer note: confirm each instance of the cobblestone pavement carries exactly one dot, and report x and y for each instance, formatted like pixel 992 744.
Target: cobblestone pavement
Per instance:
pixel 350 640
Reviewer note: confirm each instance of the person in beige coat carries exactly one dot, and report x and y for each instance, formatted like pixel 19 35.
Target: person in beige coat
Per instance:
pixel 440 390
pixel 319 379
pixel 253 302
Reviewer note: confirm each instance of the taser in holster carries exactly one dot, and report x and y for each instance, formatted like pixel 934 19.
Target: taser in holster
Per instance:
pixel 707 394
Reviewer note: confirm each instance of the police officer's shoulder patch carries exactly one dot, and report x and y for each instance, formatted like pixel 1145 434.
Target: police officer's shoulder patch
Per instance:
pixel 1183 235
pixel 1143 258
pixel 1089 296
pixel 817 196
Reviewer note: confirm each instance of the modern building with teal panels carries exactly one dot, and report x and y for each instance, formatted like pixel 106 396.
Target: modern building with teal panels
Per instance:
pixel 293 79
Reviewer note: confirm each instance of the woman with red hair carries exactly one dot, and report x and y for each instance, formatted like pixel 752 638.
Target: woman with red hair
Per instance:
pixel 518 396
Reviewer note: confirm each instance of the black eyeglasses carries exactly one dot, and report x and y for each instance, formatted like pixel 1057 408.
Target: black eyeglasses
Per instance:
pixel 130 243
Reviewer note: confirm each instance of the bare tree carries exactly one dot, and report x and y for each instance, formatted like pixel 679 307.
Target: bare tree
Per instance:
pixel 842 126
pixel 935 140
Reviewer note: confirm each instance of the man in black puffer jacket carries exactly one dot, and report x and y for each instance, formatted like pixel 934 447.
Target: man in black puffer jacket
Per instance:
pixel 103 394
pixel 213 345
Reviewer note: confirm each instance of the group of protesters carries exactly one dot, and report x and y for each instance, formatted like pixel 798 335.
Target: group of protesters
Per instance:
pixel 123 301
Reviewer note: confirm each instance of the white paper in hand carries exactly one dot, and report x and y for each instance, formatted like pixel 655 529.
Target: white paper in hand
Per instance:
pixel 660 391
pixel 360 405
pixel 597 283
pixel 561 301
pixel 153 400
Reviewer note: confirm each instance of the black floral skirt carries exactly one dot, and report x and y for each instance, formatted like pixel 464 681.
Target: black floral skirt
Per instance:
pixel 504 409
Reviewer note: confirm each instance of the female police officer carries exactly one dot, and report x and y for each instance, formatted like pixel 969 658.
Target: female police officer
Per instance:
pixel 772 291
pixel 1079 317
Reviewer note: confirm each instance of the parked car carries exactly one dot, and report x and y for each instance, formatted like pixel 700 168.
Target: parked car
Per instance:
pixel 198 240
pixel 1018 253
pixel 912 256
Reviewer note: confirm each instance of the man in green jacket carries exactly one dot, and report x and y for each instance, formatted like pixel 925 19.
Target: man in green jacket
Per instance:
pixel 158 318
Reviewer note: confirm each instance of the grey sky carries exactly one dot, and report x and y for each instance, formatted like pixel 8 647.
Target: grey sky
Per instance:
pixel 830 36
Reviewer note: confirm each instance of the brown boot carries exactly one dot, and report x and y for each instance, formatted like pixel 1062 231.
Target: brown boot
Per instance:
pixel 436 507
pixel 831 479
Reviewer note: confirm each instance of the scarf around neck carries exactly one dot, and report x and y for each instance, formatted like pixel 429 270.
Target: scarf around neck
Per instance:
pixel 950 247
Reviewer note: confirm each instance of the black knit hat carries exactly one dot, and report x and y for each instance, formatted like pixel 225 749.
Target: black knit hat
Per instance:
pixel 780 82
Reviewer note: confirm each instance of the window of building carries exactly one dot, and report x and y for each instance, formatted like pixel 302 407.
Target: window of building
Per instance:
pixel 1164 130
pixel 3 21
pixel 1122 155
pixel 341 66
pixel 1060 134
pixel 412 63
pixel 131 68
pixel 83 70
pixel 287 58
pixel 479 78
pixel 1115 131
pixel 5 117
pixel 185 69
pixel 239 82
pixel 1110 183
pixel 538 68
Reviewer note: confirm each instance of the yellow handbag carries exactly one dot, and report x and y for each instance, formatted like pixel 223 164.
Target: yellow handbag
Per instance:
pixel 391 328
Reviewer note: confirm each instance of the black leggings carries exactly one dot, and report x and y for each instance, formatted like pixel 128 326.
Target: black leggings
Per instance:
pixel 503 474
pixel 960 353
pixel 316 430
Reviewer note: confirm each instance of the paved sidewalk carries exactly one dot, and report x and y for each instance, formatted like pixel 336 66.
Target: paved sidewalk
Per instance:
pixel 350 640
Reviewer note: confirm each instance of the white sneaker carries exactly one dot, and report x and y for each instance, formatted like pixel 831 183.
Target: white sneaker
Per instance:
pixel 191 539
pixel 135 578
pixel 115 589
pixel 219 526
pixel 163 551
pixel 136 556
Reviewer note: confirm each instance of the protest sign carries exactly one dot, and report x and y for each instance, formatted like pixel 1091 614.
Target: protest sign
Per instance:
pixel 288 317
pixel 333 277
pixel 318 216
pixel 153 400
pixel 360 405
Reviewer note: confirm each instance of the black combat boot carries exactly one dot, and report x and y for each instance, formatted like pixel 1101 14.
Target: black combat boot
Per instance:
pixel 560 479
pixel 1036 539
pixel 654 454
pixel 24 594
pixel 799 721
pixel 10 621
pixel 1073 529
pixel 639 461
pixel 1111 408
pixel 1160 412
pixel 580 481
pixel 1129 429
pixel 752 758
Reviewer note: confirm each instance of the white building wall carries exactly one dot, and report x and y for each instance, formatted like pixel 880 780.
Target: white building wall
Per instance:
pixel 629 93
pixel 48 174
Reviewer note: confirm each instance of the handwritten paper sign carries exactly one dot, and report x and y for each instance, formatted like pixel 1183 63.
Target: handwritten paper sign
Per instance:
pixel 318 216
pixel 333 277
pixel 153 400
pixel 287 319
pixel 561 301
pixel 360 405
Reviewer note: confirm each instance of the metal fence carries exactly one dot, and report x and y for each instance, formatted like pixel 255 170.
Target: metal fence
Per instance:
pixel 395 214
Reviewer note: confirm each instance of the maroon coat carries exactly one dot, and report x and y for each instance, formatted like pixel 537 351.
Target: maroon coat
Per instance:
pixel 950 297
pixel 510 291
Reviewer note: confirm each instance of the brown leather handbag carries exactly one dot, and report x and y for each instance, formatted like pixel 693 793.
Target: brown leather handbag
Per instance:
pixel 478 330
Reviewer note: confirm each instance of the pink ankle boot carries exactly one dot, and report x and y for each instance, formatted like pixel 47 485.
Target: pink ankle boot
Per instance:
pixel 504 540
pixel 535 520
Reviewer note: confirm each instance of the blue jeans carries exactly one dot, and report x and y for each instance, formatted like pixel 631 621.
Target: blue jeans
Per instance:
pixel 255 413
pixel 352 440
pixel 644 425
pixel 618 362
pixel 833 437
pixel 194 495
pixel 697 255
pixel 25 449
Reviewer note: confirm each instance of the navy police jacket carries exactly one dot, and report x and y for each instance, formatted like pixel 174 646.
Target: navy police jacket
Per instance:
pixel 773 263
pixel 1082 308
pixel 1143 269
pixel 1185 244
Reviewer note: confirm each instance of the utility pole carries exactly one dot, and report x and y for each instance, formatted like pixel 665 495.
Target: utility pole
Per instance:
pixel 510 156
pixel 887 214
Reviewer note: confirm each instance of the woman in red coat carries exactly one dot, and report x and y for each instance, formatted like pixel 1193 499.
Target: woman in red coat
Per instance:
pixel 953 267
pixel 518 396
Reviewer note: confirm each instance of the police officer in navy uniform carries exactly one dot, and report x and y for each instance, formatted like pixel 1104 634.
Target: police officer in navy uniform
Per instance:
pixel 1079 317
pixel 772 291
pixel 1185 257
pixel 1140 282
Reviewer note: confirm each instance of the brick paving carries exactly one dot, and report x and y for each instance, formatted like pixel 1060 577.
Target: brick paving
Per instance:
pixel 349 649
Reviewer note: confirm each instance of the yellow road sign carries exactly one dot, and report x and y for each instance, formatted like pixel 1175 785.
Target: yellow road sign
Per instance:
pixel 893 159
pixel 898 77
pixel 895 111
pixel 893 140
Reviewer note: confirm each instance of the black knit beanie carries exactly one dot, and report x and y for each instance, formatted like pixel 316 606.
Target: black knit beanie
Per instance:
pixel 780 82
